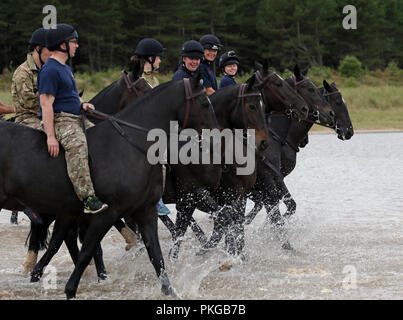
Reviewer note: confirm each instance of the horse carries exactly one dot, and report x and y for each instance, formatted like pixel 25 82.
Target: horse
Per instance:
pixel 110 100
pixel 278 96
pixel 122 175
pixel 270 184
pixel 296 135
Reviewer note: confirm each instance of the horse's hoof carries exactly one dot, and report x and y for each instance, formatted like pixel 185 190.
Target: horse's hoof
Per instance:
pixel 102 276
pixel 70 293
pixel 36 276
pixel 169 291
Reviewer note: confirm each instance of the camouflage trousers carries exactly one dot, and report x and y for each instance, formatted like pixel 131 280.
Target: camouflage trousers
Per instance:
pixel 33 122
pixel 69 132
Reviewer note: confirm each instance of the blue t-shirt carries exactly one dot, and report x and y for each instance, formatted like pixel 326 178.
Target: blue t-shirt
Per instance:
pixel 57 79
pixel 209 79
pixel 227 81
pixel 182 73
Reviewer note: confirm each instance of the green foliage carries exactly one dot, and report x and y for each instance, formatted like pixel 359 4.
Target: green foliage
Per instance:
pixel 350 66
pixel 351 83
pixel 307 32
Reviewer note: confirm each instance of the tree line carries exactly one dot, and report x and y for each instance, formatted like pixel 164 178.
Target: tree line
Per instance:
pixel 309 32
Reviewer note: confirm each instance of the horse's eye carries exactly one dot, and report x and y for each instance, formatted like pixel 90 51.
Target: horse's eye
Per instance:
pixel 279 84
pixel 252 107
pixel 311 90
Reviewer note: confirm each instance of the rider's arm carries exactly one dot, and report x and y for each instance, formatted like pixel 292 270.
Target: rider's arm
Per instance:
pixel 46 101
pixel 209 91
pixel 5 109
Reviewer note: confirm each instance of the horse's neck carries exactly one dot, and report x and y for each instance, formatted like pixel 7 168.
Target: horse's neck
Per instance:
pixel 298 130
pixel 279 126
pixel 223 109
pixel 153 111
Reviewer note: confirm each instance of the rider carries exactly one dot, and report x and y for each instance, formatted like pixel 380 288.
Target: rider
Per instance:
pixel 191 55
pixel 228 64
pixel 23 88
pixel 150 51
pixel 211 44
pixel 60 110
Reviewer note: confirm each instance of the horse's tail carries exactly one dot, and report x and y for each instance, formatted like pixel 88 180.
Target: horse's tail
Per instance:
pixel 37 238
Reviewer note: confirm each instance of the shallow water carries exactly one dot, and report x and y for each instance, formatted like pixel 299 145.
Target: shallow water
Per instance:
pixel 347 235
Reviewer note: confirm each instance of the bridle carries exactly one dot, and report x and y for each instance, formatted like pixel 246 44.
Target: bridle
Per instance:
pixel 241 100
pixel 314 114
pixel 190 97
pixel 131 85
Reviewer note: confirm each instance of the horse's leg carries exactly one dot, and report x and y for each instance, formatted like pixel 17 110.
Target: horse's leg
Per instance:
pixel 169 224
pixel 183 216
pixel 290 204
pixel 252 214
pixel 98 255
pixel 275 217
pixel 37 239
pixel 62 226
pixel 222 221
pixel 127 234
pixel 71 242
pixel 148 225
pixel 99 225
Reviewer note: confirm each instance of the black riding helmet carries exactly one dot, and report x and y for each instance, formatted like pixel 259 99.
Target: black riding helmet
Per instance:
pixel 149 48
pixel 210 41
pixel 227 59
pixel 192 49
pixel 62 34
pixel 38 38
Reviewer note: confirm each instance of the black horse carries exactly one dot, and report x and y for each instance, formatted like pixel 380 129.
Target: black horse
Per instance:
pixel 270 184
pixel 231 195
pixel 110 100
pixel 121 173
pixel 296 136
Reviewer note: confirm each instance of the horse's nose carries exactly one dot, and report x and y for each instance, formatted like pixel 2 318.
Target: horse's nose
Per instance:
pixel 331 113
pixel 305 110
pixel 349 133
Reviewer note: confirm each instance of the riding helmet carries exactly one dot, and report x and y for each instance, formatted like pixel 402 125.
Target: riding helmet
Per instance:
pixel 210 41
pixel 149 48
pixel 62 34
pixel 38 38
pixel 192 49
pixel 228 58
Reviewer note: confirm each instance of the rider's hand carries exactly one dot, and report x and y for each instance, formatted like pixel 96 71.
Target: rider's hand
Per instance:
pixel 87 106
pixel 53 147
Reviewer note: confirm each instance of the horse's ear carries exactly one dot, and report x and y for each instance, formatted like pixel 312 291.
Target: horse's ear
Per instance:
pixel 258 66
pixel 327 86
pixel 250 82
pixel 333 84
pixel 297 72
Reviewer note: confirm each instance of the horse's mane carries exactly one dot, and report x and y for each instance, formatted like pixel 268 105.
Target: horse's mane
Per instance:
pixel 147 96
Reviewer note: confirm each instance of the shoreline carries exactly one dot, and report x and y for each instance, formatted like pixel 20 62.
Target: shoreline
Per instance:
pixel 361 131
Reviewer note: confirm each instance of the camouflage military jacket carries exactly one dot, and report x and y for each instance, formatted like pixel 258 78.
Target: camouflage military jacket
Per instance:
pixel 150 78
pixel 24 89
